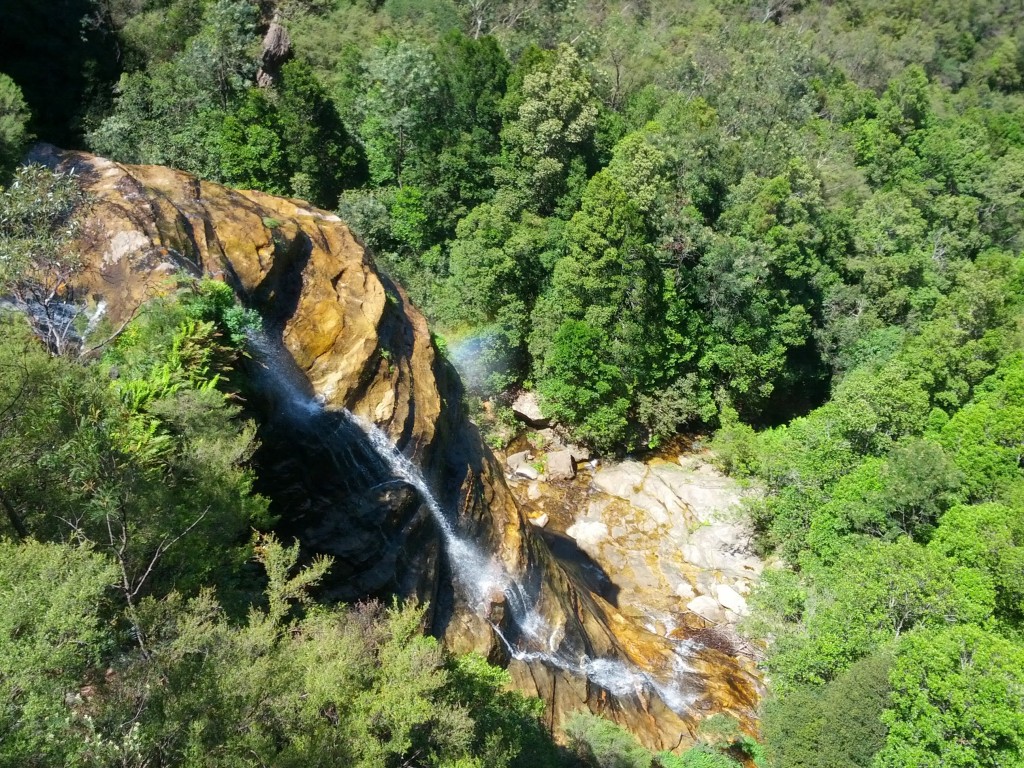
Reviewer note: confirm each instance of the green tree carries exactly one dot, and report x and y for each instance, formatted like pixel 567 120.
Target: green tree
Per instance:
pixel 875 593
pixel 984 437
pixel 250 152
pixel 474 74
pixel 831 726
pixel 549 119
pixel 173 113
pixel 222 57
pixel 989 537
pixel 581 389
pixel 761 286
pixel 149 467
pixel 608 280
pixel 602 744
pixel 298 684
pixel 14 133
pixel 955 701
pixel 399 111
pixel 321 156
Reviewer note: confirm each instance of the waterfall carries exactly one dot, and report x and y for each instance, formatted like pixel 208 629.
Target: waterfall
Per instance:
pixel 482 577
pixel 479 576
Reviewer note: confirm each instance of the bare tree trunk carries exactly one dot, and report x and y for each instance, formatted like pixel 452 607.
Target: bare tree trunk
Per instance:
pixel 12 514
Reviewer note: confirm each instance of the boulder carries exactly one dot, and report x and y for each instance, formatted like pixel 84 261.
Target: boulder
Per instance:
pixel 621 480
pixel 707 608
pixel 277 49
pixel 527 471
pixel 561 466
pixel 517 460
pixel 579 454
pixel 550 438
pixel 588 533
pixel 731 600
pixel 519 465
pixel 685 591
pixel 527 409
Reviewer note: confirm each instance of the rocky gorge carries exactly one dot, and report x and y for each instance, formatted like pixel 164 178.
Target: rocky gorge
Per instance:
pixel 624 602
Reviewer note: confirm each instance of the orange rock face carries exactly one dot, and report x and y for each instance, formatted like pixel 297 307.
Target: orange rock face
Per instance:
pixel 360 344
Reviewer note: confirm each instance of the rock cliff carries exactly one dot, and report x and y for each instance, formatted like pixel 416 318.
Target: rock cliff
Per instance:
pixel 350 337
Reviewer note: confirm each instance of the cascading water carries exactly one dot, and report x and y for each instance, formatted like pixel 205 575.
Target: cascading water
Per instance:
pixel 479 576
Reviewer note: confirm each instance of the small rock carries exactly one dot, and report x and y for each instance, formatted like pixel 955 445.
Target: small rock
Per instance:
pixel 533 491
pixel 541 521
pixel 527 408
pixel 561 466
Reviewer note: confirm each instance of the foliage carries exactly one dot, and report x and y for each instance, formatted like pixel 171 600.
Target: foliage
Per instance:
pixel 875 593
pixel 14 134
pixel 294 684
pixel 955 700
pixel 838 725
pixel 581 389
pixel 507 726
pixel 399 109
pixel 148 466
pixel 602 744
pixel 551 115
pixel 39 215
pixel 53 633
pixel 697 757
pixel 989 537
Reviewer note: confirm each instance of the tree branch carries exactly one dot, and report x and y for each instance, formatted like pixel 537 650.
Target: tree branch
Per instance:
pixel 111 337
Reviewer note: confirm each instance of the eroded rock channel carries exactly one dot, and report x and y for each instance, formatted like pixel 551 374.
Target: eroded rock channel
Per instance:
pixel 663 541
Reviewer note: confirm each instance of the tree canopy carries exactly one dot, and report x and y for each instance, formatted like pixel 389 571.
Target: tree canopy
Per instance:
pixel 795 225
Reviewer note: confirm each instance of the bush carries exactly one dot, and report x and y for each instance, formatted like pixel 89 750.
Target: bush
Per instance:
pixel 602 744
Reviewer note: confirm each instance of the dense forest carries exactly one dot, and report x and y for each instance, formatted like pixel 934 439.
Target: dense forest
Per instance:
pixel 793 224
